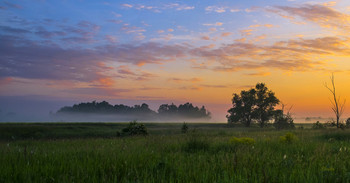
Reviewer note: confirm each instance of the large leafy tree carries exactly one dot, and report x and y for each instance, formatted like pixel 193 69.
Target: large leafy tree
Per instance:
pixel 265 104
pixel 257 104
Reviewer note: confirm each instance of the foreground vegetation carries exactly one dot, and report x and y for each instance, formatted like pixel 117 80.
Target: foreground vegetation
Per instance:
pixel 96 152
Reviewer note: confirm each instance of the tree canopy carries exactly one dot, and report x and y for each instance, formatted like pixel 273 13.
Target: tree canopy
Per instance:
pixel 186 110
pixel 255 105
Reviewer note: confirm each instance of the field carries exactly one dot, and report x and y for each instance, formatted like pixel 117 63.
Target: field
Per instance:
pixel 94 152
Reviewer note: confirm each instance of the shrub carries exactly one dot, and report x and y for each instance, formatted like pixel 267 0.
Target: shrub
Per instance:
pixel 242 141
pixel 135 129
pixel 342 126
pixel 347 123
pixel 331 123
pixel 318 125
pixel 284 121
pixel 288 138
pixel 184 128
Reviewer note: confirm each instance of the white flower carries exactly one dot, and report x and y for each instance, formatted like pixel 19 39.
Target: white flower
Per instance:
pixel 285 156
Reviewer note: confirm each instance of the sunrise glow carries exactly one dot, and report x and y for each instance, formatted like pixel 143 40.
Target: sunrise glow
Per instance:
pixel 63 52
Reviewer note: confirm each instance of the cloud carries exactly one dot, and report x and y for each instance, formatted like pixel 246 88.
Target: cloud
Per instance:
pixel 214 86
pixel 7 5
pixel 116 21
pixel 106 81
pixel 246 32
pixel 205 38
pixel 132 29
pixel 97 91
pixel 180 80
pixel 127 5
pixel 262 25
pixel 215 24
pixel 225 34
pixel 5 81
pixel 135 75
pixel 259 74
pixel 178 7
pixel 111 39
pixel 158 9
pixel 323 15
pixel 234 10
pixel 292 55
pixel 12 30
pixel 170 30
pixel 217 9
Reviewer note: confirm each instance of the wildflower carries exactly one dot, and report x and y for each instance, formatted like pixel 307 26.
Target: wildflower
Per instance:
pixel 285 156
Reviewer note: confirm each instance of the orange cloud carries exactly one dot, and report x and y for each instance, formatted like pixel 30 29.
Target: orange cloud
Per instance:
pixel 180 80
pixel 246 32
pixel 107 82
pixel 242 40
pixel 5 81
pixel 322 14
pixel 205 37
pixel 259 74
pixel 262 25
pixel 225 34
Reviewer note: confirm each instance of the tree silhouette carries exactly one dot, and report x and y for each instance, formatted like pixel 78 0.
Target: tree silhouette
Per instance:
pixel 265 104
pixel 186 110
pixel 337 105
pixel 257 104
pixel 143 111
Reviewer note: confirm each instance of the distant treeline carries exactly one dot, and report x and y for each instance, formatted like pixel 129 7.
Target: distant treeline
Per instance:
pixel 186 111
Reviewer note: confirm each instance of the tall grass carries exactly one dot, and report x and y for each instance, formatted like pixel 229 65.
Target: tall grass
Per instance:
pixel 200 156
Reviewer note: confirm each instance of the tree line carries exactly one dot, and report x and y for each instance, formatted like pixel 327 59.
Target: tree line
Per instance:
pixel 186 110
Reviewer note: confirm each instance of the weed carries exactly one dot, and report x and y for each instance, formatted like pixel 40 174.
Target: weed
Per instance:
pixel 242 141
pixel 135 129
pixel 184 128
pixel 288 138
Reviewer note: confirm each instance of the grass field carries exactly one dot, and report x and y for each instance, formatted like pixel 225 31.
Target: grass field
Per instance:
pixel 93 152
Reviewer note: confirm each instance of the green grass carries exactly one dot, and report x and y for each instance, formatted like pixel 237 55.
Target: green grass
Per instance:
pixel 92 152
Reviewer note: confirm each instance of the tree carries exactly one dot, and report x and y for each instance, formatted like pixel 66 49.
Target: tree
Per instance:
pixel 265 104
pixel 337 105
pixel 242 110
pixel 257 104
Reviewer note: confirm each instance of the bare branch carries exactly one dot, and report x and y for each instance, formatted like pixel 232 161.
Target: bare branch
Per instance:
pixel 337 107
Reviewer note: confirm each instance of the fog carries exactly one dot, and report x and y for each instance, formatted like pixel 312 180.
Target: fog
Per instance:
pixel 41 109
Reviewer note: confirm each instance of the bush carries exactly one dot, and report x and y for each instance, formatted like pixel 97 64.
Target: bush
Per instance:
pixel 331 123
pixel 318 125
pixel 135 129
pixel 184 128
pixel 242 141
pixel 288 138
pixel 347 123
pixel 284 121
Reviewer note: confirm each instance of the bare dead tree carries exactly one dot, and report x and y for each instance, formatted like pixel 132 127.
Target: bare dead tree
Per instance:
pixel 337 104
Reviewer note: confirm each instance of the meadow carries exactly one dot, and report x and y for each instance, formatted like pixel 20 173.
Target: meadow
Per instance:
pixel 95 152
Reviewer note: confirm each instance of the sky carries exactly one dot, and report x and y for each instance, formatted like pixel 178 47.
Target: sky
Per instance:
pixel 60 52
